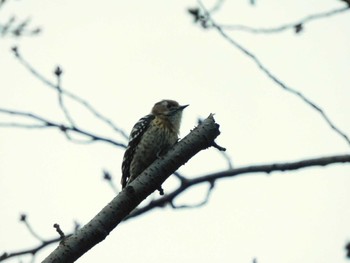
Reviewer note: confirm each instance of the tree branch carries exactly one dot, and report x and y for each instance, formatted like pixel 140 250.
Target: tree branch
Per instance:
pixel 63 92
pixel 15 27
pixel 58 72
pixel 211 178
pixel 272 76
pixel 296 26
pixel 71 248
pixel 31 251
pixel 45 123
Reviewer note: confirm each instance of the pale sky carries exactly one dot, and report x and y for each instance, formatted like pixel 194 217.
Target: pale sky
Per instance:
pixel 123 56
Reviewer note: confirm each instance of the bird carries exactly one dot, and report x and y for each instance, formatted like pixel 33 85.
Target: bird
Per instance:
pixel 152 136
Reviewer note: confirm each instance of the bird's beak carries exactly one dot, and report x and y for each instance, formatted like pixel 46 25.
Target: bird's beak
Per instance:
pixel 182 107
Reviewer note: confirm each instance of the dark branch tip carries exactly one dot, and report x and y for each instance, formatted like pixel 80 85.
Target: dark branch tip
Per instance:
pixel 58 71
pixel 215 145
pixel 14 49
pixel 161 190
pixel 195 13
pixel 59 231
pixel 4 256
pixel 107 176
pixel 298 28
pixel 23 218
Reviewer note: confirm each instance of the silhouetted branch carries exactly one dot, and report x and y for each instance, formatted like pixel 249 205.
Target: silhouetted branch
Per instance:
pixel 14 27
pixel 58 72
pixel 41 122
pixel 272 76
pixel 59 231
pixel 222 150
pixel 200 204
pixel 211 178
pixel 64 92
pixel 23 218
pixel 31 251
pixel 217 6
pixel 296 26
pixel 34 250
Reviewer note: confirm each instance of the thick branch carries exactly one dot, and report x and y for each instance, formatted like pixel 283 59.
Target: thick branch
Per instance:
pixel 71 248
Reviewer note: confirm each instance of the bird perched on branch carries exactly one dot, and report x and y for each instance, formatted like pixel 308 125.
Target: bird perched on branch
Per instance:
pixel 151 137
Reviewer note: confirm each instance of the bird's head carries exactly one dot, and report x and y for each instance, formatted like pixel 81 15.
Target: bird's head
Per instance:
pixel 168 108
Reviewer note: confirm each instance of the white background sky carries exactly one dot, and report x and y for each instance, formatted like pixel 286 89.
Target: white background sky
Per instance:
pixel 123 56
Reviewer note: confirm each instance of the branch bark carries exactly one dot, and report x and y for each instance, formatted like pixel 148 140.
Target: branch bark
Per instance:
pixel 73 247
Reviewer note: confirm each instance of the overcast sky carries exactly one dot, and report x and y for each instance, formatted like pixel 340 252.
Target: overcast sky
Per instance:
pixel 123 56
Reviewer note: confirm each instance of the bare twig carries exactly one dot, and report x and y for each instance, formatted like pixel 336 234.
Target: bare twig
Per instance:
pixel 59 230
pixel 267 168
pixel 180 176
pixel 279 82
pixel 211 178
pixel 58 72
pixel 200 204
pixel 296 26
pixel 107 176
pixel 217 6
pixel 274 78
pixel 22 125
pixel 64 92
pixel 45 123
pixel 23 218
pixel 222 150
pixel 31 251
pixel 17 28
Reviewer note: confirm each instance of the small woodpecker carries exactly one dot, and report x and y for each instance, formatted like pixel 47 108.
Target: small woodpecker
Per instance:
pixel 151 137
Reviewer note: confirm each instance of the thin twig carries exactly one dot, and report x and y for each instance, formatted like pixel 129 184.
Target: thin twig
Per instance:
pixel 45 123
pixel 31 251
pixel 59 230
pixel 267 168
pixel 58 72
pixel 72 96
pixel 16 28
pixel 274 78
pixel 217 6
pixel 283 85
pixel 297 26
pixel 22 125
pixel 198 205
pixel 23 218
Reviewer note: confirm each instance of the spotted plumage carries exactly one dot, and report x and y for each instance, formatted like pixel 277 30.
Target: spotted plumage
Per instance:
pixel 151 136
